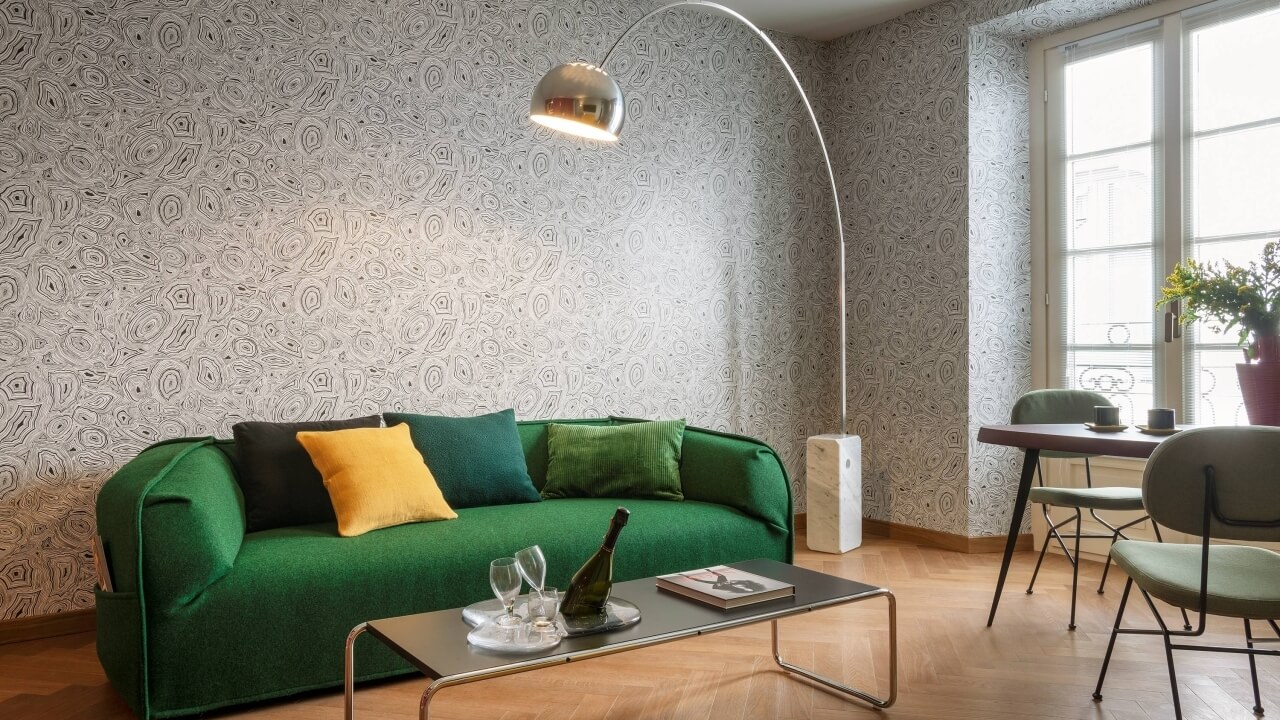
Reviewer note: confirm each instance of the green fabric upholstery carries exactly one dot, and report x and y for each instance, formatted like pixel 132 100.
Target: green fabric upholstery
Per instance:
pixel 1245 461
pixel 206 616
pixel 1244 582
pixel 635 460
pixel 477 461
pixel 737 471
pixel 312 576
pixel 192 529
pixel 1099 498
pixel 1044 407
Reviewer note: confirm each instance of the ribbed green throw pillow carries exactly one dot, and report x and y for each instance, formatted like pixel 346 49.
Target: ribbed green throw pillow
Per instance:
pixel 638 460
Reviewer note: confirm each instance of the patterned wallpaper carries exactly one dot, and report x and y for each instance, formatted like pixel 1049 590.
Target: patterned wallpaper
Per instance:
pixel 930 134
pixel 219 210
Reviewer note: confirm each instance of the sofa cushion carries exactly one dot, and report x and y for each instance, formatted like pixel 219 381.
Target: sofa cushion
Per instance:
pixel 638 460
pixel 478 461
pixel 375 478
pixel 308 577
pixel 280 485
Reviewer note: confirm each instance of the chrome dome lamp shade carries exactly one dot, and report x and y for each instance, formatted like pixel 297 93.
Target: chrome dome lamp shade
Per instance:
pixel 579 99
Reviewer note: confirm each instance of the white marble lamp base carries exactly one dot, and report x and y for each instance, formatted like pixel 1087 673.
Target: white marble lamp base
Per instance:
pixel 834 492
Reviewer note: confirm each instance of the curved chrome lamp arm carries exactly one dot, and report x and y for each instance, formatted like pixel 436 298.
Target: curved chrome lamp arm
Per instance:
pixel 582 100
pixel 826 158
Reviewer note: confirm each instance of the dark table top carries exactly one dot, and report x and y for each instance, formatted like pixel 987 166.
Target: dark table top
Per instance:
pixel 1074 437
pixel 436 642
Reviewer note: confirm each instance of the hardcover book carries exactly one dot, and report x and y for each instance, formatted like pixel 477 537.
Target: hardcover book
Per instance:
pixel 725 587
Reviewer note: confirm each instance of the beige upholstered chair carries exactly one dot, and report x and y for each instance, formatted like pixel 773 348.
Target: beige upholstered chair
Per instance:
pixel 1217 482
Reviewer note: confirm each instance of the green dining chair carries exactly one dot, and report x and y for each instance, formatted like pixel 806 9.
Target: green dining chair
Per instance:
pixel 1214 482
pixel 1073 406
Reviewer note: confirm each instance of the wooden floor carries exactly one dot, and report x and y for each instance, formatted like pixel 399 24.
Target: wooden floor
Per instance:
pixel 952 666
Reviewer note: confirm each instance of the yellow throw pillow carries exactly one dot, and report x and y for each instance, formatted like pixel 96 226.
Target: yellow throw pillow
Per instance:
pixel 376 478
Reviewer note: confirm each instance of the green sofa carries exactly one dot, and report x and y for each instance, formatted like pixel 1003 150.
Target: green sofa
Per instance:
pixel 204 616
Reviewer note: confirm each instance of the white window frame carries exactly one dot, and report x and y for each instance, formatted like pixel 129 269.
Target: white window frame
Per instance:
pixel 1047 355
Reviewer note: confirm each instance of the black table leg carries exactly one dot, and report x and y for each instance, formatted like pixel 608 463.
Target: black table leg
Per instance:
pixel 1029 459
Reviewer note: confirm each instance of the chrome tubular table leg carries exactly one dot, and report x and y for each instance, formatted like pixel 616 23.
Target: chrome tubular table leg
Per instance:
pixel 349 671
pixel 845 689
pixel 424 704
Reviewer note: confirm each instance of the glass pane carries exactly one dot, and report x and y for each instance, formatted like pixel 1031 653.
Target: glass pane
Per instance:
pixel 1109 299
pixel 1233 72
pixel 1110 327
pixel 1215 391
pixel 1239 252
pixel 1235 182
pixel 1110 200
pixel 1109 100
pixel 1124 376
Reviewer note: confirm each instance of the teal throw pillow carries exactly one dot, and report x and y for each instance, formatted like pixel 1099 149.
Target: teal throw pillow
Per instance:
pixel 637 460
pixel 476 461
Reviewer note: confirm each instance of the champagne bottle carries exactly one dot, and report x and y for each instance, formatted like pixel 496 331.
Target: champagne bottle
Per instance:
pixel 585 599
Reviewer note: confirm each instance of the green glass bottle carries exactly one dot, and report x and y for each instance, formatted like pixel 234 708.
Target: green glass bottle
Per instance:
pixel 585 599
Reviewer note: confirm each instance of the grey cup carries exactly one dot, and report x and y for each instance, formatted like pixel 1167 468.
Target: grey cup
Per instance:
pixel 1160 418
pixel 1106 415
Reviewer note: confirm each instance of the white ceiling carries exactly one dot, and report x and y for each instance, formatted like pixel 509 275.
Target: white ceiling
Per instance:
pixel 821 19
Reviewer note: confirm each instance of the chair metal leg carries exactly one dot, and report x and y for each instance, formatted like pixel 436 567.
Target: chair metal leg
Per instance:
pixel 1117 533
pixel 1044 547
pixel 1115 630
pixel 1106 567
pixel 1075 574
pixel 1253 669
pixel 1168 654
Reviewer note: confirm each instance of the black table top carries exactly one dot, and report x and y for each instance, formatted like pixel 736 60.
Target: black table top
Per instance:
pixel 436 642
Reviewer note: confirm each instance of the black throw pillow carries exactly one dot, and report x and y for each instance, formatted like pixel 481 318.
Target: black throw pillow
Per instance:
pixel 281 487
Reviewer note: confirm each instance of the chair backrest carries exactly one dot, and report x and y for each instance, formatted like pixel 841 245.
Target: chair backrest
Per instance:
pixel 1056 406
pixel 1246 469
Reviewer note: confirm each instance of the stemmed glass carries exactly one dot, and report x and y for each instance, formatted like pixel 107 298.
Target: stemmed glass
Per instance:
pixel 533 566
pixel 504 578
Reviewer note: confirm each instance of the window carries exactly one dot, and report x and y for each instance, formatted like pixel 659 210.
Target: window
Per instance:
pixel 1161 140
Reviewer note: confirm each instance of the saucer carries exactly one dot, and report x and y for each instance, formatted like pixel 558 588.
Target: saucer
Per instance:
pixel 1106 428
pixel 1158 431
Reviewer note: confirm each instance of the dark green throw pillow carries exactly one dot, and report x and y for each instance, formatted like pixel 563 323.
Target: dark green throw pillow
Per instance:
pixel 638 460
pixel 477 461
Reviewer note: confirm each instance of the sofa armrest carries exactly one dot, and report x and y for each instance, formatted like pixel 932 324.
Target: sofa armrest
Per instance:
pixel 172 521
pixel 737 471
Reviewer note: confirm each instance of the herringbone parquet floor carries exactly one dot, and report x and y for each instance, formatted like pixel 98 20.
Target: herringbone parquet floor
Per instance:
pixel 952 666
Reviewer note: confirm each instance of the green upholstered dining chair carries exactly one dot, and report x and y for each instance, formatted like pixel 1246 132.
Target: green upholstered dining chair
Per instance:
pixel 1215 482
pixel 1073 406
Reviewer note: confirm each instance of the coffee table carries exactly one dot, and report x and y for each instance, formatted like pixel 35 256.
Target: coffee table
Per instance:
pixel 436 642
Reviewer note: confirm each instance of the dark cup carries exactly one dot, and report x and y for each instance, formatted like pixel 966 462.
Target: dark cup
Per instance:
pixel 1160 419
pixel 1106 415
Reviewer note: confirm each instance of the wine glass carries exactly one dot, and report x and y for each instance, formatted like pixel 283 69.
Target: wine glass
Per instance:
pixel 533 566
pixel 504 578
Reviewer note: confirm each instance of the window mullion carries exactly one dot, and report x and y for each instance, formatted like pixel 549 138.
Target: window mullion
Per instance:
pixel 1170 360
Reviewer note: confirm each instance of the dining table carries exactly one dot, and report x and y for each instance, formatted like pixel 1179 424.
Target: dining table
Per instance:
pixel 1071 437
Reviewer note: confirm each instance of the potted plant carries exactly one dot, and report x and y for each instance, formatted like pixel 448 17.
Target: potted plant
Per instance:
pixel 1246 299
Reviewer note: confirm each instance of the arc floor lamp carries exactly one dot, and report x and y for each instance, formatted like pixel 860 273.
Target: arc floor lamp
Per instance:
pixel 583 100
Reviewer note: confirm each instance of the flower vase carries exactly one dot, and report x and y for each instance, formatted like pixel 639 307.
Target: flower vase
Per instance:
pixel 1260 382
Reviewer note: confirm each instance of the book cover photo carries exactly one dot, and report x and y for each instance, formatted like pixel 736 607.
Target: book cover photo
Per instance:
pixel 725 586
